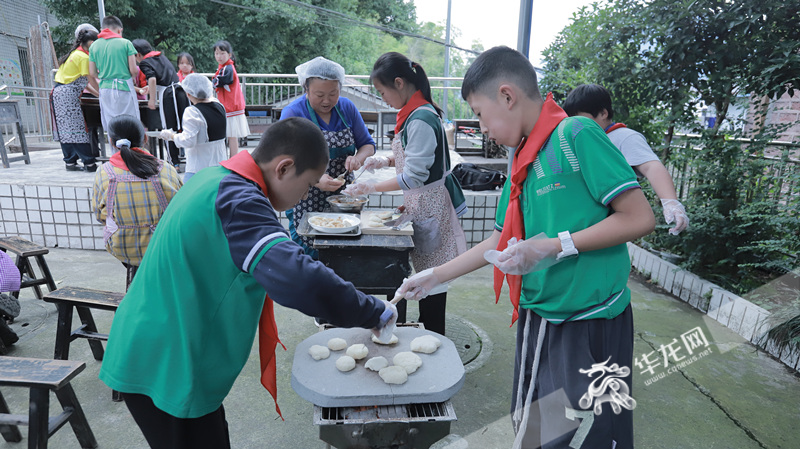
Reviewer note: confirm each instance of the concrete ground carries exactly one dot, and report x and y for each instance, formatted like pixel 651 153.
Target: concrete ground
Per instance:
pixel 733 397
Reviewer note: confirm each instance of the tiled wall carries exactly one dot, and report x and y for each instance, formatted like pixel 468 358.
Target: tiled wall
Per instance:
pixel 50 216
pixel 61 216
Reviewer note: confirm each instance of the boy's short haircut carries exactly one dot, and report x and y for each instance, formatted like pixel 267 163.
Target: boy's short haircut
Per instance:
pixel 112 22
pixel 589 98
pixel 142 46
pixel 497 65
pixel 297 137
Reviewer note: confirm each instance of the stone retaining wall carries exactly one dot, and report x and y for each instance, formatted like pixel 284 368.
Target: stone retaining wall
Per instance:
pixel 740 315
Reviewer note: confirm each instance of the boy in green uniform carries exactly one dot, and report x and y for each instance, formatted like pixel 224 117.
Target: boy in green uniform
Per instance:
pixel 112 62
pixel 566 212
pixel 185 328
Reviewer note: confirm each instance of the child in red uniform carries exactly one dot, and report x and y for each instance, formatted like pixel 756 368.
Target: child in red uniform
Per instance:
pixel 185 65
pixel 229 93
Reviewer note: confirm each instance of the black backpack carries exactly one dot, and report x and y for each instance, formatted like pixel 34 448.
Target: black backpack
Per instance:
pixel 477 178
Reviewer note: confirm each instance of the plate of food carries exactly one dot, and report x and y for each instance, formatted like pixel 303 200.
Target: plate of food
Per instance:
pixel 333 223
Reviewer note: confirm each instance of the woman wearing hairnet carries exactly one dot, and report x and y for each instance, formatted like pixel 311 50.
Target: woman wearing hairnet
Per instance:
pixel 341 123
pixel 204 127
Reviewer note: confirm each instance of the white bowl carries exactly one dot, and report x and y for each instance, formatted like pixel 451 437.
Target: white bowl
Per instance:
pixel 324 222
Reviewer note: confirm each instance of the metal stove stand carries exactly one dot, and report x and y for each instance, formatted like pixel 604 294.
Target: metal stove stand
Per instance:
pixel 406 426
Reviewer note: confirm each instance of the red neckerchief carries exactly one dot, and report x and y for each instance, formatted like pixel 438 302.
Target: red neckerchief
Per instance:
pixel 244 165
pixel 151 54
pixel 221 66
pixel 414 102
pixel 108 34
pixel 514 226
pixel 82 49
pixel 116 158
pixel 181 76
pixel 615 126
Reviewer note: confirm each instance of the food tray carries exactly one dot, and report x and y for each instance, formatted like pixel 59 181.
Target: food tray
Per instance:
pixel 305 229
pixel 407 228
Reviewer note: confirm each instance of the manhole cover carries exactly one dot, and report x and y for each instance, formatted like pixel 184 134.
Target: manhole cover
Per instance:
pixel 467 341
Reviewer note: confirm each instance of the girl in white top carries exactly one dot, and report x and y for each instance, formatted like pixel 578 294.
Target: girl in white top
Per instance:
pixel 204 127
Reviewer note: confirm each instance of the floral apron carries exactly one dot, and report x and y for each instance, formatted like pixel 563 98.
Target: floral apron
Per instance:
pixel 340 144
pixel 438 237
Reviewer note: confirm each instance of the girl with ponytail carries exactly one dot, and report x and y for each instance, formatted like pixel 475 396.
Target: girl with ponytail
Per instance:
pixel 432 196
pixel 131 192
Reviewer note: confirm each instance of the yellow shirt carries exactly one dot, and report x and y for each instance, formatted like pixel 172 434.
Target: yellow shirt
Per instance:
pixel 76 66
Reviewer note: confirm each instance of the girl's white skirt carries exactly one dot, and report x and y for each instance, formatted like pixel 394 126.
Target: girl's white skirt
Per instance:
pixel 237 126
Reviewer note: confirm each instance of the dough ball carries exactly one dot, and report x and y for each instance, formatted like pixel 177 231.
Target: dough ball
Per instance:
pixel 373 224
pixel 357 351
pixel 427 344
pixel 337 344
pixel 391 341
pixel 385 215
pixel 375 219
pixel 345 363
pixel 407 360
pixel 318 352
pixel 394 375
pixel 376 363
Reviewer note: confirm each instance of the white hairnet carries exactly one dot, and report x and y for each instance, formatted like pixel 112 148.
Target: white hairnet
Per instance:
pixel 198 86
pixel 84 26
pixel 320 67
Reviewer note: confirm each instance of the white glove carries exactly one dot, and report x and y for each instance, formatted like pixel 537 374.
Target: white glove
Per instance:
pixel 674 211
pixel 167 134
pixel 375 162
pixel 362 188
pixel 421 285
pixel 385 328
pixel 524 256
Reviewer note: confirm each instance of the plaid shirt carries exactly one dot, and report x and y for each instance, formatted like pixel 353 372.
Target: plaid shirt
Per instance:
pixel 9 274
pixel 135 204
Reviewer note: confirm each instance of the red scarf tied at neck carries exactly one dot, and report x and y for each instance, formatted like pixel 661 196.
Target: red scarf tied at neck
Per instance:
pixel 151 54
pixel 615 126
pixel 108 34
pixel 414 102
pixel 514 226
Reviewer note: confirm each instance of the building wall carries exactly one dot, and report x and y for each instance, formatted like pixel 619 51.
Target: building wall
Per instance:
pixel 784 111
pixel 16 19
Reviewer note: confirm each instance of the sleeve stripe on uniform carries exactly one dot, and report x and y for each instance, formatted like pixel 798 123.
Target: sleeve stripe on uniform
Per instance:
pixel 257 246
pixel 618 190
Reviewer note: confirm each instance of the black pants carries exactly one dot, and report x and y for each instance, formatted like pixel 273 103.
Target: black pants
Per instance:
pixel 431 312
pixel 556 418
pixel 164 431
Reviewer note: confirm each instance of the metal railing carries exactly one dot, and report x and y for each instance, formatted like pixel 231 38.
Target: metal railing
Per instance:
pixel 775 177
pixel 34 105
pixel 260 89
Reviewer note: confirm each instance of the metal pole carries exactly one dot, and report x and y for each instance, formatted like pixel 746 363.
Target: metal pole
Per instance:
pixel 446 59
pixel 101 8
pixel 523 46
pixel 524 33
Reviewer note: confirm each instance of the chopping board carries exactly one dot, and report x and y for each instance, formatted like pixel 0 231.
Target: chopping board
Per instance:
pixel 366 215
pixel 319 382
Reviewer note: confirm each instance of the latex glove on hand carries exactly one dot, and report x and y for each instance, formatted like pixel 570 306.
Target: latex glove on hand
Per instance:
pixel 385 328
pixel 362 188
pixel 375 162
pixel 167 134
pixel 421 285
pixel 674 211
pixel 328 184
pixel 525 256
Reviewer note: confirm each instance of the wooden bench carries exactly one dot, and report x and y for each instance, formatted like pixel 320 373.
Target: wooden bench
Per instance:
pixel 69 299
pixel 25 250
pixel 43 376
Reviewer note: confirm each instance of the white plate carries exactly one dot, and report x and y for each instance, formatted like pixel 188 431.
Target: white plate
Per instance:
pixel 351 222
